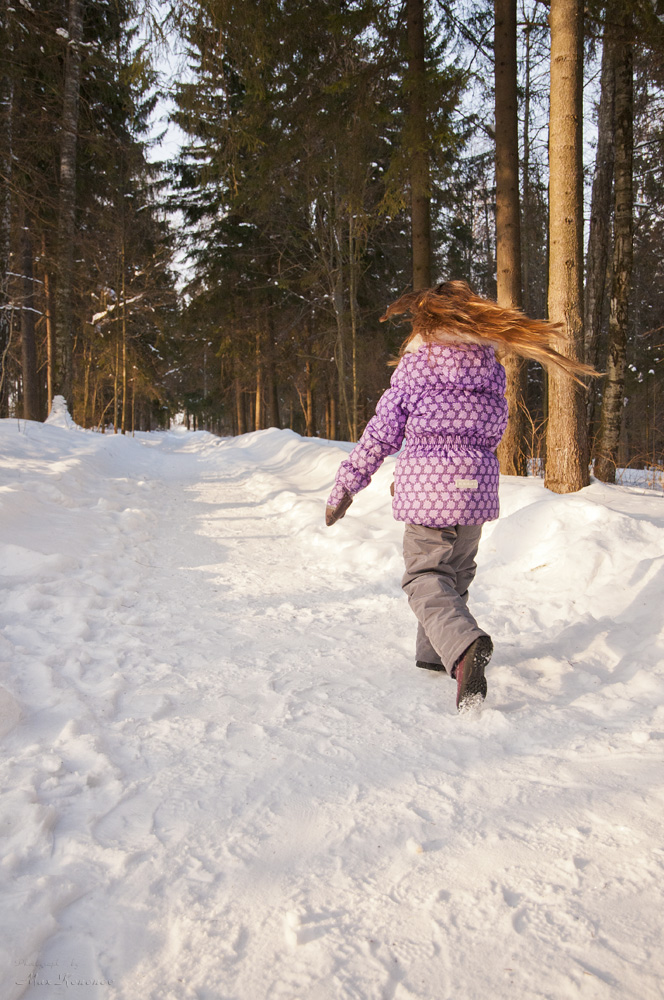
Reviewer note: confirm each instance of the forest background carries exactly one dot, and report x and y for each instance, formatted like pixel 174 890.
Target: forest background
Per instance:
pixel 335 153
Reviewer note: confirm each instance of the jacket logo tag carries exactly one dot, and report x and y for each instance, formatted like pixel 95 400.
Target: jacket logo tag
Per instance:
pixel 466 484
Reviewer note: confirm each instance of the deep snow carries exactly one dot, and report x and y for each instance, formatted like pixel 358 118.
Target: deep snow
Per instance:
pixel 223 777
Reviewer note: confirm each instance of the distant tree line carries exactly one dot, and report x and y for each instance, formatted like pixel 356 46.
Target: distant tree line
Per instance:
pixel 335 154
pixel 86 283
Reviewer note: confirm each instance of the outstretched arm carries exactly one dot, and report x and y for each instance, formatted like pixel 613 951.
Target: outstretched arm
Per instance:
pixel 382 436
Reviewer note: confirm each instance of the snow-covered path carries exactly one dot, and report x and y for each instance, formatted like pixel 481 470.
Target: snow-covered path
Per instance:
pixel 224 778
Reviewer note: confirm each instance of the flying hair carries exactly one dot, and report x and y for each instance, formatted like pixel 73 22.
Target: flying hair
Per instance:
pixel 452 313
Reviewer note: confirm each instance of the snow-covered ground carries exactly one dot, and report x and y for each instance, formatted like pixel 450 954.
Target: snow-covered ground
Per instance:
pixel 224 778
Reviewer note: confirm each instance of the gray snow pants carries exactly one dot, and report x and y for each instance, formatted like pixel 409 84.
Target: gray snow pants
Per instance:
pixel 440 566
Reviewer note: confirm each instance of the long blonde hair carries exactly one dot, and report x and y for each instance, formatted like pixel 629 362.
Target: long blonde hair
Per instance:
pixel 452 313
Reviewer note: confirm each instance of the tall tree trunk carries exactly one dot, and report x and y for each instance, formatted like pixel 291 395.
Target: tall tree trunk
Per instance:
pixel 352 299
pixel 50 326
pixel 87 357
pixel 340 316
pixel 273 389
pixel 309 408
pixel 116 385
pixel 331 416
pixel 93 405
pixel 566 439
pixel 614 386
pixel 240 413
pixel 600 214
pixel 67 206
pixel 124 342
pixel 526 202
pixel 6 161
pixel 273 401
pixel 512 449
pixel 418 153
pixel 258 412
pixel 28 346
pixel 340 358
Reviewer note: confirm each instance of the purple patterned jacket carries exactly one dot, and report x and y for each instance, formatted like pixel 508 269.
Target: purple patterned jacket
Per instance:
pixel 449 405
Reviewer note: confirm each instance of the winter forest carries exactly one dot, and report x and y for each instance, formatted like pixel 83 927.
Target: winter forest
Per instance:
pixel 223 773
pixel 329 156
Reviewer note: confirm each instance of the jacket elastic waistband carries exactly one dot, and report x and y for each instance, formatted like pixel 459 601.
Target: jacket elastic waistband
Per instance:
pixel 435 442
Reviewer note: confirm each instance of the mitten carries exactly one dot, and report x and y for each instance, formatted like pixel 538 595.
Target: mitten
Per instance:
pixel 333 514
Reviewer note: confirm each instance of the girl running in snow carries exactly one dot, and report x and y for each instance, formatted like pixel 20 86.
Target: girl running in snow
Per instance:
pixel 446 399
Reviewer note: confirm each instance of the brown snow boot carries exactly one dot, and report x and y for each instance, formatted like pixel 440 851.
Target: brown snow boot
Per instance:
pixel 471 682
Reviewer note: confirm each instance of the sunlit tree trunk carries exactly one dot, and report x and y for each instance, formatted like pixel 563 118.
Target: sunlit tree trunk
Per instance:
pixel 258 410
pixel 566 440
pixel 512 449
pixel 93 406
pixel 309 403
pixel 331 417
pixel 614 386
pixel 526 198
pixel 240 421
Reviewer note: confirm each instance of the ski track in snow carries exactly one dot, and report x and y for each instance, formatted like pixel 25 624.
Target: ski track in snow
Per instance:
pixel 223 777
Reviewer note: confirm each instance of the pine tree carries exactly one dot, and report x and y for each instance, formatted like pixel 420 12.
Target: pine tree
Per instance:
pixel 296 190
pixel 115 93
